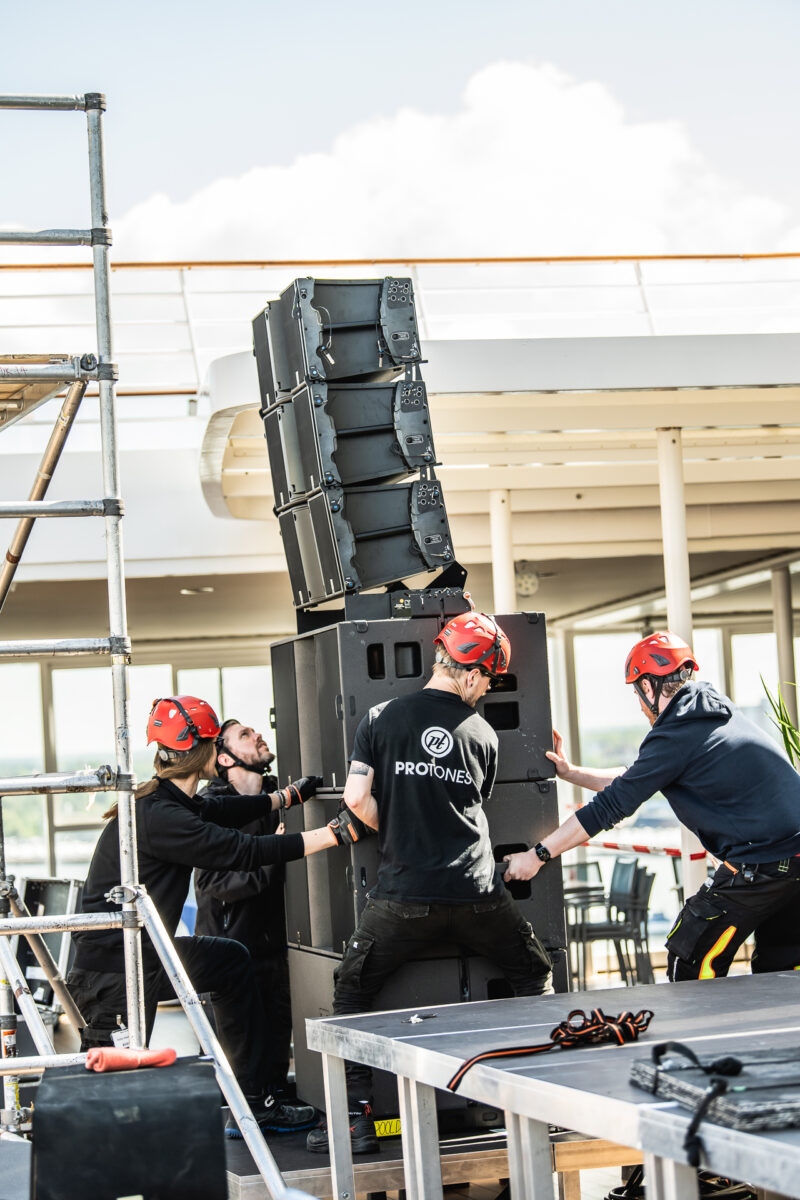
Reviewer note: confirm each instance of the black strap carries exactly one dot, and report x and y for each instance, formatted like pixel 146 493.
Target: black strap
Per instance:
pixel 692 1143
pixel 578 1030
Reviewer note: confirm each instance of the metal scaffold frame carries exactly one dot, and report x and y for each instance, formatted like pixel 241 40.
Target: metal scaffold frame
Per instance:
pixel 137 909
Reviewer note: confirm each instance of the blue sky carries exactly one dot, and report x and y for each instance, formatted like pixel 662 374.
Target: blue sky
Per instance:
pixel 199 92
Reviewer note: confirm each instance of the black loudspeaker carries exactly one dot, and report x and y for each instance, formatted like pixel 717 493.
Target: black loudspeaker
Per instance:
pixel 327 680
pixel 346 434
pixel 419 984
pixel 328 329
pixel 150 1133
pixel 518 706
pixel 343 540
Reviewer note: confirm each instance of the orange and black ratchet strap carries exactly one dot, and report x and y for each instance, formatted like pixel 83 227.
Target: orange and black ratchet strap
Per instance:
pixel 577 1030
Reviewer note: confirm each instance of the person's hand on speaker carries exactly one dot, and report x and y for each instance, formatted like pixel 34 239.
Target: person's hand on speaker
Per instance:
pixel 299 791
pixel 347 828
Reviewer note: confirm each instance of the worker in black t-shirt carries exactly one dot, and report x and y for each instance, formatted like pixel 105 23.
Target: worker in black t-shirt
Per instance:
pixel 421 767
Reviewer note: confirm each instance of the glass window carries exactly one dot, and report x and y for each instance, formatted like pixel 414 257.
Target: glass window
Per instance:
pixel 755 657
pixel 146 685
pixel 203 682
pixel 247 695
pixel 84 726
pixel 22 753
pixel 611 722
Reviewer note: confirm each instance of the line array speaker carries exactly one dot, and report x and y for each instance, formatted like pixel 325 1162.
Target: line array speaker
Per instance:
pixel 346 434
pixel 326 329
pixel 346 539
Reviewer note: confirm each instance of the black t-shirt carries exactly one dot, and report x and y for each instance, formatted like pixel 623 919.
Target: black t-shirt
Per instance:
pixel 435 761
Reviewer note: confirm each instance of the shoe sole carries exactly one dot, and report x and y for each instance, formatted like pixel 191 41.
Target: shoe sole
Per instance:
pixel 237 1136
pixel 366 1145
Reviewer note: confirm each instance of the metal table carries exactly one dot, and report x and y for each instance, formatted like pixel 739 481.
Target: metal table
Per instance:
pixel 585 1089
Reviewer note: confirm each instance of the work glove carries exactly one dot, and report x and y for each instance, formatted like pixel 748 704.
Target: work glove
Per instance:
pixel 347 828
pixel 298 792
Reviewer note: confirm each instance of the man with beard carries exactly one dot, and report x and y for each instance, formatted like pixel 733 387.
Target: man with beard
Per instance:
pixel 248 906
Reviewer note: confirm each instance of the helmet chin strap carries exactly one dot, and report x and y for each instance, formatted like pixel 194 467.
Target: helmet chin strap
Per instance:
pixel 237 762
pixel 657 684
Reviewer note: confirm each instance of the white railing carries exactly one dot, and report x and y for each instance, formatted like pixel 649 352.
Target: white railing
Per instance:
pixel 172 319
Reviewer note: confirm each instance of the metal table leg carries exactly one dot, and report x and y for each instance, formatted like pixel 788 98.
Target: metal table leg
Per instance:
pixel 342 1182
pixel 530 1161
pixel 666 1179
pixel 421 1163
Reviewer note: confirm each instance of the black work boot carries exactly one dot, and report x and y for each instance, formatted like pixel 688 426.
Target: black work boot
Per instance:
pixel 363 1139
pixel 275 1116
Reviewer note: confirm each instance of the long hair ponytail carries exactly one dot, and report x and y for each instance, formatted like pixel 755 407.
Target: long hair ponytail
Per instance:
pixel 188 763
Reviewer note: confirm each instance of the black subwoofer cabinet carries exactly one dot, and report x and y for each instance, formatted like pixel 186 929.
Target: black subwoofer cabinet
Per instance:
pixel 326 681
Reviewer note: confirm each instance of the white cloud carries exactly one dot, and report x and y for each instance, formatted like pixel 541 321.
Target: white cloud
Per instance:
pixel 532 163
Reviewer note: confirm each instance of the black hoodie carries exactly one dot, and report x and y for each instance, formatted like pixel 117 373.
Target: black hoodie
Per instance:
pixel 245 905
pixel 724 778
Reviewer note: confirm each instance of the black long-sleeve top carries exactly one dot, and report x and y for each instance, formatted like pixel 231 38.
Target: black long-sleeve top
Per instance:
pixel 175 833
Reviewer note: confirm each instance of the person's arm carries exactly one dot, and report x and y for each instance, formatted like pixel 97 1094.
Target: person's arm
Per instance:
pixel 527 863
pixel 592 780
pixel 358 794
pixel 231 812
pixel 176 835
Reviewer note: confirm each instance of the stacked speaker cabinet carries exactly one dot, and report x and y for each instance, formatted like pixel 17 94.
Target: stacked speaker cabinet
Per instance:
pixel 349 437
pixel 352 456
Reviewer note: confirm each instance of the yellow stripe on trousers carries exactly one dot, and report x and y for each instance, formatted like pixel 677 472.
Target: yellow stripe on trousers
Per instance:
pixel 707 970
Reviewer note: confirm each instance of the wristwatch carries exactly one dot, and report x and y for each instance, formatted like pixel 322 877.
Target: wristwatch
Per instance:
pixel 542 852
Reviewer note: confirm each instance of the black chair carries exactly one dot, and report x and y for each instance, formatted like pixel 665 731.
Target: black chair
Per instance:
pixel 615 925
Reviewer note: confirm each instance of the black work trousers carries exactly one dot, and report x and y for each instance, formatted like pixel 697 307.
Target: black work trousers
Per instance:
pixel 272 975
pixel 219 966
pixel 390 933
pixel 763 899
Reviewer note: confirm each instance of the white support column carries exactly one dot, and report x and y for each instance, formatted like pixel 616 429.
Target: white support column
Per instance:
pixel 504 583
pixel 784 633
pixel 565 641
pixel 678 588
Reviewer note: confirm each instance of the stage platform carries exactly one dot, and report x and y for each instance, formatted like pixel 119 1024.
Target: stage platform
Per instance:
pixel 584 1089
pixel 480 1158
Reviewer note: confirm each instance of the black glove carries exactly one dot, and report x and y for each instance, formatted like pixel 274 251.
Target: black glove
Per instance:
pixel 347 828
pixel 298 792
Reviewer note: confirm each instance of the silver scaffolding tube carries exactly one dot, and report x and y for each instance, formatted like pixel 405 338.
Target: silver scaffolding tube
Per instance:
pixel 117 616
pixel 240 1109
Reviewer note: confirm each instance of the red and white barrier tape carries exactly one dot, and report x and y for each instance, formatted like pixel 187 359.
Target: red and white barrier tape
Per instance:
pixel 668 850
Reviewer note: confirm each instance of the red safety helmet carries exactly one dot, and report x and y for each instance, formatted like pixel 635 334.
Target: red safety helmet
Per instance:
pixel 179 722
pixel 660 655
pixel 476 640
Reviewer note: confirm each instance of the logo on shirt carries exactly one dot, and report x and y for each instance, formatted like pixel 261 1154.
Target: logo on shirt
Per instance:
pixel 437 742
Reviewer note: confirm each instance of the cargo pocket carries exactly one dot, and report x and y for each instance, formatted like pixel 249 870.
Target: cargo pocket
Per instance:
pixel 350 970
pixel 540 962
pixel 696 927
